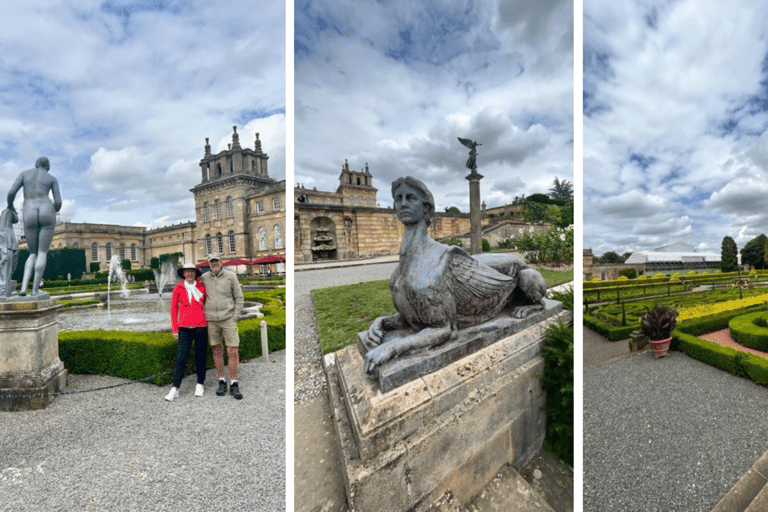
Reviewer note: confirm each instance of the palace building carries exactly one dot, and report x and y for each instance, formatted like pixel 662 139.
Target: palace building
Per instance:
pixel 239 213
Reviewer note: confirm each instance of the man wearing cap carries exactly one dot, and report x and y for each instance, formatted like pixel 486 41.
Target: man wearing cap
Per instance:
pixel 223 305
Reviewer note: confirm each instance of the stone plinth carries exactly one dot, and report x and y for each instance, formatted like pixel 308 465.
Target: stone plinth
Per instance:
pixel 450 430
pixel 29 355
pixel 405 368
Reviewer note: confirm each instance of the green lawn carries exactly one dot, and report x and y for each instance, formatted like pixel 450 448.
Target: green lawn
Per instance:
pixel 343 311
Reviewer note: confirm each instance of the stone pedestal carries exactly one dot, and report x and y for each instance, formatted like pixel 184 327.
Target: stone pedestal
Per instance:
pixel 450 430
pixel 29 355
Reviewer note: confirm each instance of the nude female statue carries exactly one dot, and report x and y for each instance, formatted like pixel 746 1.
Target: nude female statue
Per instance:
pixel 439 289
pixel 39 217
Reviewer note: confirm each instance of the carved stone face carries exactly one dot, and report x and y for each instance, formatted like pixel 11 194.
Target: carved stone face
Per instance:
pixel 409 204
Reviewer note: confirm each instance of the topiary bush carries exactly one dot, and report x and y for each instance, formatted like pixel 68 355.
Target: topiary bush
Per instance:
pixel 750 330
pixel 486 245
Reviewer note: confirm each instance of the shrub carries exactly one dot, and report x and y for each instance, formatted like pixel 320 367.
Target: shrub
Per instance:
pixel 126 264
pixel 750 330
pixel 596 280
pixel 660 275
pixel 454 241
pixel 691 273
pixel 642 276
pixel 628 272
pixel 154 263
pixel 94 266
pixel 486 245
pixel 557 381
pixel 138 355
pixel 622 278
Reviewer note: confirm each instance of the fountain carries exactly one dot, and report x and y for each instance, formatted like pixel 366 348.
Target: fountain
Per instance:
pixel 116 273
pixel 165 275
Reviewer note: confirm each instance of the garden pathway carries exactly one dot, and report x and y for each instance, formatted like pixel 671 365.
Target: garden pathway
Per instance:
pixel 666 434
pixel 126 448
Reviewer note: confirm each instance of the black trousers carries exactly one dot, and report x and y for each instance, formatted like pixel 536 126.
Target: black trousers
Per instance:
pixel 186 335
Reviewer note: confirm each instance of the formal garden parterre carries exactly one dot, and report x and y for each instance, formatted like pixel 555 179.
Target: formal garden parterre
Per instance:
pixel 720 302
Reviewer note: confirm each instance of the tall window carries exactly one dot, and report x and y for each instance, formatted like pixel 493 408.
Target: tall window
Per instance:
pixel 220 242
pixel 260 206
pixel 206 212
pixel 208 248
pixel 275 203
pixel 133 252
pixel 230 208
pixel 231 241
pixel 278 237
pixel 262 238
pixel 109 251
pixel 94 251
pixel 217 208
pixel 122 252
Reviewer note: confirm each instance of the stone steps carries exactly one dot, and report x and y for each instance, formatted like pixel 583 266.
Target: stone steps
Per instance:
pixel 750 493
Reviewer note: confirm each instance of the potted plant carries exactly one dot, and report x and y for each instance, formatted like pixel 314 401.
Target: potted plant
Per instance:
pixel 657 323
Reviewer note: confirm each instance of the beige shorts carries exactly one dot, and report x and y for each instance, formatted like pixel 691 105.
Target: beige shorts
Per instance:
pixel 226 327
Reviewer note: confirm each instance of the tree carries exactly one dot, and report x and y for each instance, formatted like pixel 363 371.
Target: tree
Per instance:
pixel 610 258
pixel 729 261
pixel 562 190
pixel 753 253
pixel 452 209
pixel 534 212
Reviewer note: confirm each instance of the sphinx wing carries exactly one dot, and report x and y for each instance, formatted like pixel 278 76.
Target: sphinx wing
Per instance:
pixel 473 281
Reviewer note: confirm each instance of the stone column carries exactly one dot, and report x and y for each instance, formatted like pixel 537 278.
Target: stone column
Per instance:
pixel 29 354
pixel 475 214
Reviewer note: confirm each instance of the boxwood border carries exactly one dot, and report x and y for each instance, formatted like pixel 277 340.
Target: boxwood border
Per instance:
pixel 138 355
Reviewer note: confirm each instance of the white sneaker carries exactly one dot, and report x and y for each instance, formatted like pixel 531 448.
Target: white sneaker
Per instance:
pixel 199 390
pixel 173 393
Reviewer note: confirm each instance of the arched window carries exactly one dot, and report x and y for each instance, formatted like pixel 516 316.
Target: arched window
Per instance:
pixel 278 237
pixel 262 239
pixel 133 252
pixel 109 251
pixel 208 248
pixel 217 209
pixel 206 212
pixel 122 252
pixel 230 207
pixel 220 242
pixel 231 241
pixel 94 251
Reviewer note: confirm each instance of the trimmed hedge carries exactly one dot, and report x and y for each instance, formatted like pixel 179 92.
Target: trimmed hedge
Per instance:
pixel 749 330
pixel 138 355
pixel 613 333
pixel 741 364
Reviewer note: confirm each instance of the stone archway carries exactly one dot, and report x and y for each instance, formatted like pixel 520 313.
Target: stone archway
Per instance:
pixel 322 239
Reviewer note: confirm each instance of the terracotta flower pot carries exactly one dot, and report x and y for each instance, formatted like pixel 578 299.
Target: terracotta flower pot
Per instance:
pixel 660 347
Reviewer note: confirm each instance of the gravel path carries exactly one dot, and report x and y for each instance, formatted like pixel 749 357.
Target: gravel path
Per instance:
pixel 309 379
pixel 128 449
pixel 668 434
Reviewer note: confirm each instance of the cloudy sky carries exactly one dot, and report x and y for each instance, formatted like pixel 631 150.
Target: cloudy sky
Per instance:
pixel 395 83
pixel 676 111
pixel 120 97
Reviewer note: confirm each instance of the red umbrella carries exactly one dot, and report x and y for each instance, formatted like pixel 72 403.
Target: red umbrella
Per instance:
pixel 236 261
pixel 265 260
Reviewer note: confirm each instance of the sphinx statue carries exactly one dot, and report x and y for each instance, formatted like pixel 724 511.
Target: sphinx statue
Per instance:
pixel 439 289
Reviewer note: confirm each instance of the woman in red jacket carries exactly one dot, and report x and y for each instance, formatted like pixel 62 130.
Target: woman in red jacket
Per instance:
pixel 188 323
